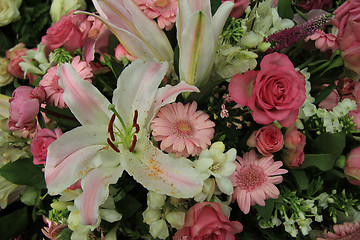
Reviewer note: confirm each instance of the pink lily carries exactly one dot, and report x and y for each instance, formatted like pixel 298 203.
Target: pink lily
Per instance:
pixel 197 34
pixel 140 36
pixel 98 151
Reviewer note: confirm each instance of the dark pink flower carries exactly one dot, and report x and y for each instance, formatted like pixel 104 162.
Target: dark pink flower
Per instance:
pixel 41 142
pixel 205 220
pixel 239 7
pixel 308 5
pixel 53 229
pixel 271 95
pixel 24 106
pixel 267 140
pixel 68 32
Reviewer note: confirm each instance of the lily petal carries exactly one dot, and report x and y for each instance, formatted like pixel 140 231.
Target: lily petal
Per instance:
pixel 136 89
pixel 196 51
pixel 220 17
pixel 95 187
pixel 85 101
pixel 125 15
pixel 67 163
pixel 161 173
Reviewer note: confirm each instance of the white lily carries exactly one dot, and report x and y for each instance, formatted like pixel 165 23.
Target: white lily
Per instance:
pixel 197 34
pixel 140 35
pixel 98 151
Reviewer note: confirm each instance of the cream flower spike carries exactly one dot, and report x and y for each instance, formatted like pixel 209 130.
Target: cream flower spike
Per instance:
pixel 110 141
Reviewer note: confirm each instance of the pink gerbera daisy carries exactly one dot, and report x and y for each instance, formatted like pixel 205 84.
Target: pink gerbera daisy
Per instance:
pixel 163 10
pixel 182 130
pixel 50 82
pixel 254 180
pixel 347 231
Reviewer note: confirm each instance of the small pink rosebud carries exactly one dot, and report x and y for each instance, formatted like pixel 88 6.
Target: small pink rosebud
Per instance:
pixel 267 140
pixel 23 109
pixel 294 140
pixel 352 167
pixel 293 158
pixel 39 93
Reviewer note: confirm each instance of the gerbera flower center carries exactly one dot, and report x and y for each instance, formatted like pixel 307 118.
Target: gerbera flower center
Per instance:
pixel 161 3
pixel 250 177
pixel 183 129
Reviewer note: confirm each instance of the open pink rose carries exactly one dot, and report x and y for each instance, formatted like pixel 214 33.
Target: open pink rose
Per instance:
pixel 239 7
pixel 24 106
pixel 352 167
pixel 293 156
pixel 41 142
pixel 347 20
pixel 267 140
pixel 275 92
pixel 206 221
pixel 68 32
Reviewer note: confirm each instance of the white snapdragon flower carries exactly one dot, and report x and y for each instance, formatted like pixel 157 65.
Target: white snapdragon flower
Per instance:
pixel 331 123
pixel 221 165
pixel 344 107
pixel 39 55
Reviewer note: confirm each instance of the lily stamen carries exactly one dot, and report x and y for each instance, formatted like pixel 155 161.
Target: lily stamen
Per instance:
pixel 110 127
pixel 133 143
pixel 112 145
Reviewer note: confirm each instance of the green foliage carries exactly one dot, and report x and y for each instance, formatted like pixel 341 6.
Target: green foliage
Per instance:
pixel 24 172
pixel 285 10
pixel 13 224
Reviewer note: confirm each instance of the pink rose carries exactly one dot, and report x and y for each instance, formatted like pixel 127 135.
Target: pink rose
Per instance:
pixel 267 140
pixel 68 32
pixel 121 53
pixel 352 167
pixel 24 106
pixel 347 20
pixel 239 7
pixel 293 156
pixel 308 5
pixel 41 142
pixel 275 92
pixel 206 221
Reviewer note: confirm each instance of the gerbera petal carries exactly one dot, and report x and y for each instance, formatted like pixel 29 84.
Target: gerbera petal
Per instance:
pixel 95 187
pixel 161 173
pixel 85 101
pixel 66 163
pixel 243 200
pixel 271 190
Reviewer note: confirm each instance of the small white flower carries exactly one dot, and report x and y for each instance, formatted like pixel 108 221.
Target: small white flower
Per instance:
pixel 176 218
pixel 155 200
pixel 344 107
pixel 159 229
pixel 309 109
pixel 221 165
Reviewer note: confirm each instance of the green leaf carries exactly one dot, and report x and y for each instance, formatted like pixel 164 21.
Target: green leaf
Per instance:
pixel 302 180
pixel 266 211
pixel 63 117
pixel 330 143
pixel 128 206
pixel 13 224
pixel 337 63
pixel 324 162
pixel 24 172
pixel 285 10
pixel 215 4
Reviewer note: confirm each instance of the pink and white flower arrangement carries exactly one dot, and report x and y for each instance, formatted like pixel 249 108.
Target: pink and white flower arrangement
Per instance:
pixel 118 125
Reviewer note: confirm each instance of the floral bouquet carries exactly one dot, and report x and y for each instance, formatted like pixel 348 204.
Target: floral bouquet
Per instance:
pixel 180 119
